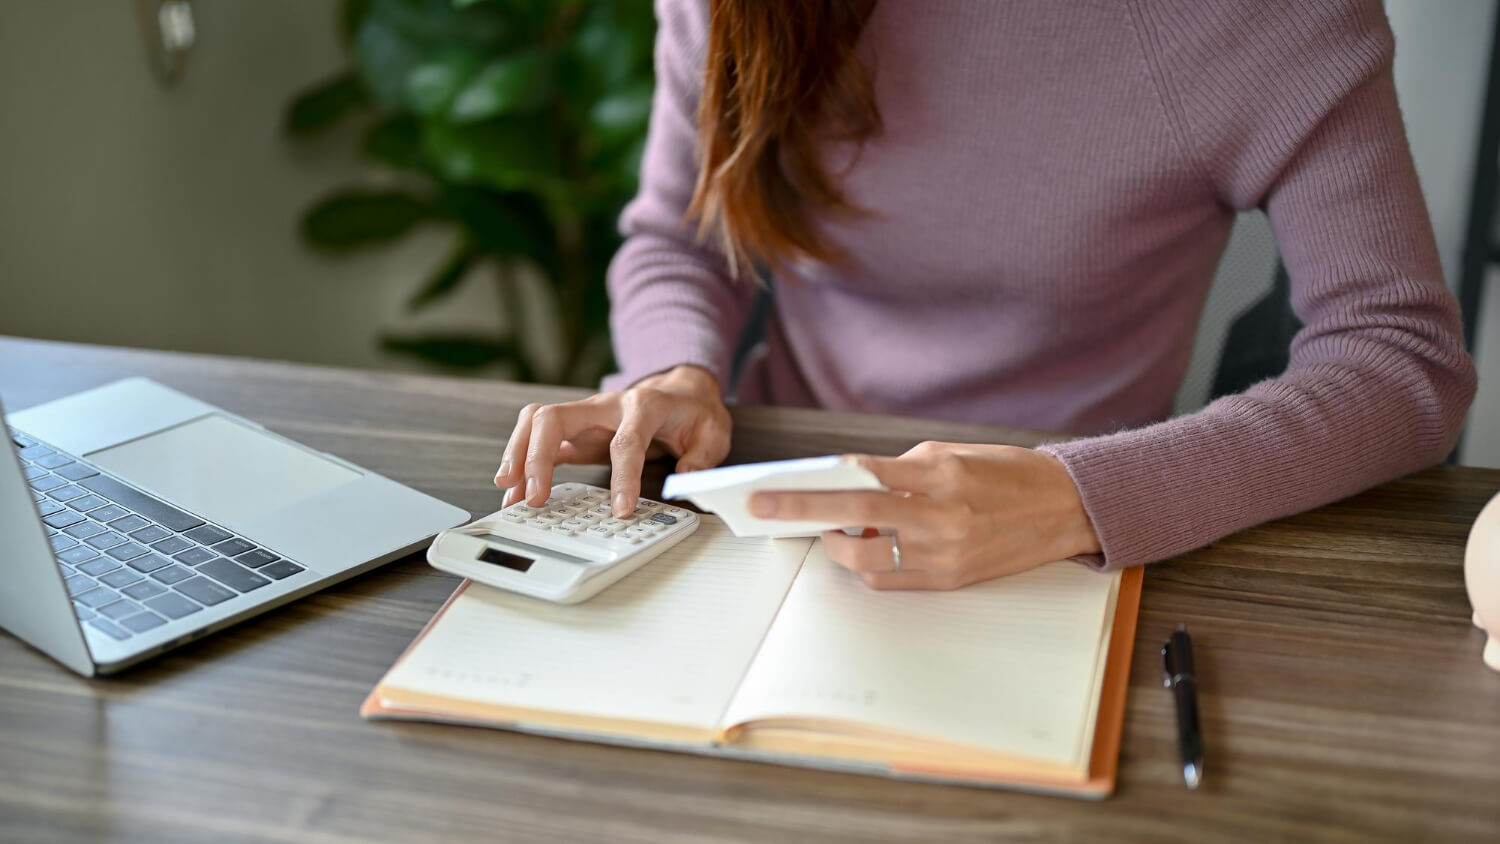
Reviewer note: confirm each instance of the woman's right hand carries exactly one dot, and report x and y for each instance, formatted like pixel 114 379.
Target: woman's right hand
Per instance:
pixel 680 412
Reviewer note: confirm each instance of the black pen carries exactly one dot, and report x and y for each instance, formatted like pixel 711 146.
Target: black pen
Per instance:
pixel 1177 655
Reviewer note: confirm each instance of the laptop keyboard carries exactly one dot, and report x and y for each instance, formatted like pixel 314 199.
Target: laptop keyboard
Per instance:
pixel 131 561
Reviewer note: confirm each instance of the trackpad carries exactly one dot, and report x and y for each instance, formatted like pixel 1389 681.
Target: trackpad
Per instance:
pixel 223 470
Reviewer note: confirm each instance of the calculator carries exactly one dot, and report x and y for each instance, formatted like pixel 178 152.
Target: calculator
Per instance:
pixel 567 550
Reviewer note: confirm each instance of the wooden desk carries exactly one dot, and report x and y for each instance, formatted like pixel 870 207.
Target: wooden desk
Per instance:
pixel 1342 691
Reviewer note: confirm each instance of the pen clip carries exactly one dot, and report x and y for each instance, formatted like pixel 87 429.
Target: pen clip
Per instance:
pixel 1166 664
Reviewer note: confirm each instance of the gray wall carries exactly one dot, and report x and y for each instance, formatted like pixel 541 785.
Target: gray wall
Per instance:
pixel 165 218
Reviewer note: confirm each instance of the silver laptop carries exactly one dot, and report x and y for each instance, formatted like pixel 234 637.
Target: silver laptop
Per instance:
pixel 134 518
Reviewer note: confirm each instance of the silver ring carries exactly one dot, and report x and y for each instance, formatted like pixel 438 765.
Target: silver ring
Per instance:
pixel 895 553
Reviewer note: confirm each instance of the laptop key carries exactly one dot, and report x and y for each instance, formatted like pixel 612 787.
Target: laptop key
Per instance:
pixel 87 503
pixel 78 584
pixel 172 545
pixel 77 471
pixel 109 628
pixel 143 590
pixel 120 578
pixel 63 518
pixel 54 460
pixel 196 556
pixel 149 563
pixel 33 472
pixel 257 558
pixel 150 534
pixel 128 551
pixel 108 512
pixel 119 609
pixel 48 507
pixel 20 439
pixel 157 511
pixel 95 568
pixel 77 554
pixel 34 452
pixel 47 482
pixel 233 575
pixel 202 590
pixel 62 543
pixel 37 496
pixel 172 574
pixel 67 493
pixel 84 613
pixel 207 535
pixel 84 529
pixel 172 605
pixel 281 569
pixel 108 539
pixel 126 524
pixel 233 547
pixel 97 597
pixel 141 622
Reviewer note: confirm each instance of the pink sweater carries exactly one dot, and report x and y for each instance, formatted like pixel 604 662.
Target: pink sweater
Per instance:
pixel 1052 193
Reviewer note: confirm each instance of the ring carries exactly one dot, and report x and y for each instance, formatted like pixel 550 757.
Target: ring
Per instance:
pixel 895 553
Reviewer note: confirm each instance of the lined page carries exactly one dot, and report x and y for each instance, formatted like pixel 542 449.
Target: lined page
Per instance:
pixel 669 643
pixel 1010 665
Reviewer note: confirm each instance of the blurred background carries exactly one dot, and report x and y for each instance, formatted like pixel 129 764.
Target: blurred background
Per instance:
pixel 433 184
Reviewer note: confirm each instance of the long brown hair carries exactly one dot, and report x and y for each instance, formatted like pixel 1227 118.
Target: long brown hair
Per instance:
pixel 782 77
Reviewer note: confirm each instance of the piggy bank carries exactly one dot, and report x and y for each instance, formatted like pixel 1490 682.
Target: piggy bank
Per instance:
pixel 1482 577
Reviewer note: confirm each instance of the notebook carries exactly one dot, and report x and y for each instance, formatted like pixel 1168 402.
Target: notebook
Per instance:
pixel 765 649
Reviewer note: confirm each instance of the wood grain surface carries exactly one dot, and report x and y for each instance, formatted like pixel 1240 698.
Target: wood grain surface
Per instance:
pixel 1342 692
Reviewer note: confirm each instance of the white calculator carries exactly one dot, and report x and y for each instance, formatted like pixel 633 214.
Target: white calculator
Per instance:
pixel 566 550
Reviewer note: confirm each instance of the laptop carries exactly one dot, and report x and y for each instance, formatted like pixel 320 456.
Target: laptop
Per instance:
pixel 134 518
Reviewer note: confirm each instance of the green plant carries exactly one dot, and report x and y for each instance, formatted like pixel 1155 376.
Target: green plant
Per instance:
pixel 518 125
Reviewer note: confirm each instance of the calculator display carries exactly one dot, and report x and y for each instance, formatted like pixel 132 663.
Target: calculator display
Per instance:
pixel 506 559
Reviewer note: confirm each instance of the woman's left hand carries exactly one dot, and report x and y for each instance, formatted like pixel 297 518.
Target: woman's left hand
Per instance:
pixel 961 513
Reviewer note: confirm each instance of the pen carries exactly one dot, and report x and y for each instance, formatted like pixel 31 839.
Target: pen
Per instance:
pixel 1177 655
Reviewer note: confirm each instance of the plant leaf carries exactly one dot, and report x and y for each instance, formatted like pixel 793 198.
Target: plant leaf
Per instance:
pixel 352 219
pixel 433 83
pixel 455 350
pixel 323 104
pixel 446 279
pixel 508 153
pixel 507 225
pixel 509 84
pixel 622 116
pixel 396 141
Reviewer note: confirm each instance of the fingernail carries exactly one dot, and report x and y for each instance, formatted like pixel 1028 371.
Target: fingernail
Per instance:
pixel 504 468
pixel 531 486
pixel 620 509
pixel 762 506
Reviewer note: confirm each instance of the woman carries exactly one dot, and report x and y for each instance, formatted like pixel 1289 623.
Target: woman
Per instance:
pixel 1010 213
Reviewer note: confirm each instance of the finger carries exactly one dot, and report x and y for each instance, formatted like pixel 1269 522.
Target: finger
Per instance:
pixel 627 452
pixel 550 425
pixel 861 509
pixel 509 475
pixel 707 445
pixel 864 553
pixel 907 473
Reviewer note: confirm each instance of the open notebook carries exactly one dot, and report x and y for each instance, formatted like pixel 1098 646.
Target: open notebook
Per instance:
pixel 766 649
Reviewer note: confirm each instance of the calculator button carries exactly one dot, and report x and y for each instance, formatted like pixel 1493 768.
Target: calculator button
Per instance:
pixel 550 518
pixel 600 530
pixel 516 518
pixel 574 524
pixel 664 518
pixel 633 539
pixel 537 523
pixel 614 524
pixel 639 530
pixel 564 530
